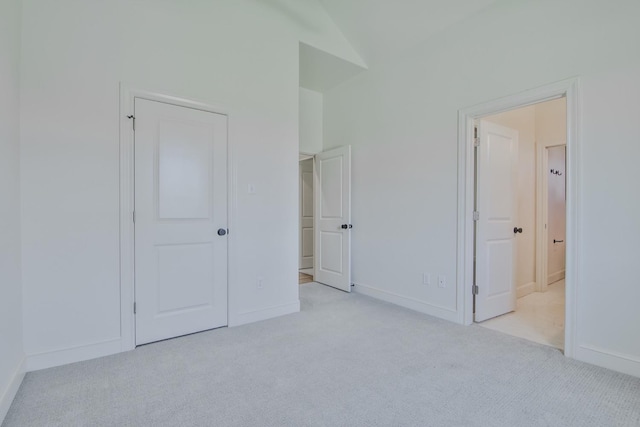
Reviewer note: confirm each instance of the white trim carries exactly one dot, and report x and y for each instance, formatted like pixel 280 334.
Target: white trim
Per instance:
pixel 554 277
pixel 526 289
pixel 609 359
pixel 11 390
pixel 569 89
pixel 407 302
pixel 264 313
pixel 63 356
pixel 127 98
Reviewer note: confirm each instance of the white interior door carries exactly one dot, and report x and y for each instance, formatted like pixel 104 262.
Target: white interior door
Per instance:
pixel 333 218
pixel 496 201
pixel 306 213
pixel 180 218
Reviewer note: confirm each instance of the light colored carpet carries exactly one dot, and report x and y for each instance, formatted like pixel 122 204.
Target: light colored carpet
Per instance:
pixel 345 360
pixel 538 317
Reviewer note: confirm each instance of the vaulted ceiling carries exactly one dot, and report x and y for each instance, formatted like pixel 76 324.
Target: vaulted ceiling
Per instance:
pixel 377 28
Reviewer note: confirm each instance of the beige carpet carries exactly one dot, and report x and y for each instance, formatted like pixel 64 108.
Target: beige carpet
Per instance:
pixel 344 360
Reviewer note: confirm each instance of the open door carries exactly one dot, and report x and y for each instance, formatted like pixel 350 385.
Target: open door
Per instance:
pixel 333 218
pixel 496 227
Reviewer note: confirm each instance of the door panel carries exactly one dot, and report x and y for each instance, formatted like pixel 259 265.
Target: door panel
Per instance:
pixel 306 213
pixel 497 160
pixel 180 202
pixel 333 210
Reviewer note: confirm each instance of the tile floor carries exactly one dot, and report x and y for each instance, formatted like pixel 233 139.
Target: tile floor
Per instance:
pixel 539 317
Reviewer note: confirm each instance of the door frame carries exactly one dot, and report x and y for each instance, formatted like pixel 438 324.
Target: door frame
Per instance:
pixel 302 156
pixel 542 215
pixel 128 94
pixel 570 89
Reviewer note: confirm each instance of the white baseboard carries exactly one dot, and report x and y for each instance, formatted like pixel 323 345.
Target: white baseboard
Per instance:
pixel 264 313
pixel 408 302
pixel 554 277
pixel 9 393
pixel 526 289
pixel 624 363
pixel 79 353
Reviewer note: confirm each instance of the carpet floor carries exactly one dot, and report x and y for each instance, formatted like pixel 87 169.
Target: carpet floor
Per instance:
pixel 344 360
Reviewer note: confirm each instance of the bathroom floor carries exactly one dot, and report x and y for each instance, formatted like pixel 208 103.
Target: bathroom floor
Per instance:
pixel 539 317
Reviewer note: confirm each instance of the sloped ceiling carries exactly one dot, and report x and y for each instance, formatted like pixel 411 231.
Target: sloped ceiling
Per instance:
pixel 377 28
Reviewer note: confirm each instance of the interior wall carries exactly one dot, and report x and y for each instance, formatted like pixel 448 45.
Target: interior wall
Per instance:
pixel 11 347
pixel 401 118
pixel 557 206
pixel 551 130
pixel 241 55
pixel 524 121
pixel 311 121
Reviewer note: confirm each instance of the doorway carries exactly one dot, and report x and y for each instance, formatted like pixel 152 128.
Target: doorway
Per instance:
pixel 306 219
pixel 174 216
pixel 466 280
pixel 329 199
pixel 520 297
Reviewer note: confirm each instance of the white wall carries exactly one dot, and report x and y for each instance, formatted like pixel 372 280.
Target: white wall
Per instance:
pixel 311 121
pixel 401 119
pixel 557 206
pixel 238 54
pixel 524 121
pixel 11 348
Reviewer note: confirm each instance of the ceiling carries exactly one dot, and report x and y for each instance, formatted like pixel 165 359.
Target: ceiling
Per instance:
pixel 378 28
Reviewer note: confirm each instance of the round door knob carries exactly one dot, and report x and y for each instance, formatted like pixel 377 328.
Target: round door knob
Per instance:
pixel 517 230
pixel 344 226
pixel 221 231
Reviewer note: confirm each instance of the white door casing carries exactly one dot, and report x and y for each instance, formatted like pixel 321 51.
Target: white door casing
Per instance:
pixel 333 218
pixel 180 203
pixel 496 180
pixel 306 213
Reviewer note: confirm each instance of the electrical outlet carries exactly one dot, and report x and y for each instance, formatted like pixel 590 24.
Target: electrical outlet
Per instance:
pixel 260 282
pixel 442 282
pixel 426 279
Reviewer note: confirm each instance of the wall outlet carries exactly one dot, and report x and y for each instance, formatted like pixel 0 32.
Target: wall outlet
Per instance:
pixel 426 279
pixel 260 282
pixel 442 282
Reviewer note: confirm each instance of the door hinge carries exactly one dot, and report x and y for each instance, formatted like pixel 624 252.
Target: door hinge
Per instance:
pixel 133 121
pixel 476 215
pixel 475 289
pixel 134 308
pixel 476 142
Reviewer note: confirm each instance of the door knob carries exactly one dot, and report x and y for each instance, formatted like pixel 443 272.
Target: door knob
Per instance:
pixel 221 231
pixel 345 226
pixel 517 230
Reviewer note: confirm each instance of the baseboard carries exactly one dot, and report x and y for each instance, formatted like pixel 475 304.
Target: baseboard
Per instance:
pixel 79 353
pixel 407 302
pixel 263 314
pixel 554 277
pixel 619 362
pixel 526 289
pixel 9 393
